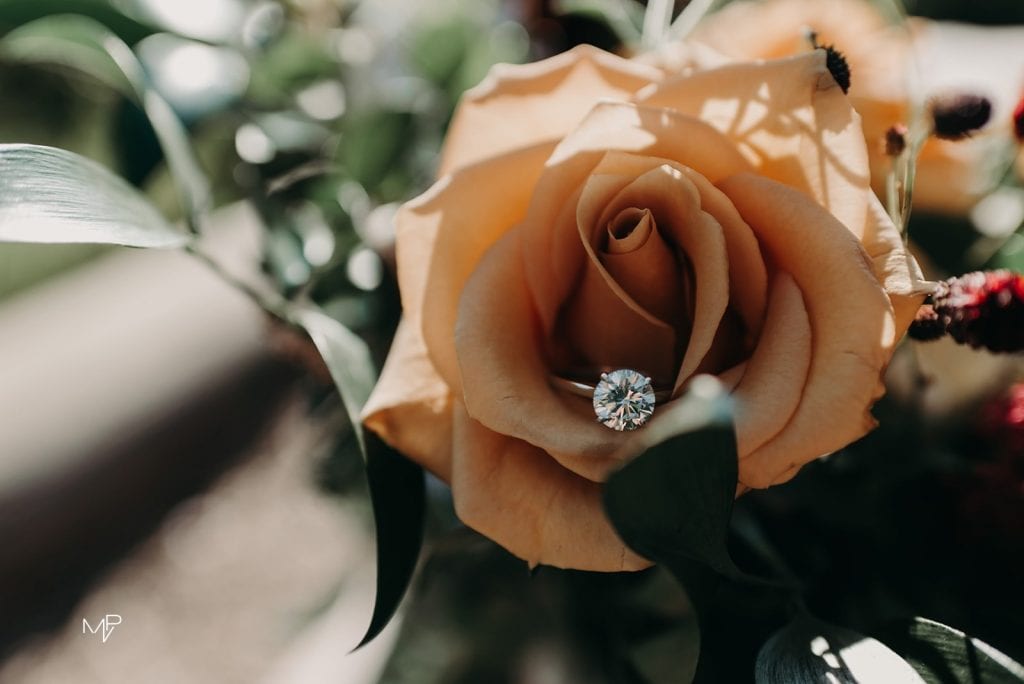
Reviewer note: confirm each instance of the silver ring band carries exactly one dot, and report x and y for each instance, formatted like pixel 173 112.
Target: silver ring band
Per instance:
pixel 583 389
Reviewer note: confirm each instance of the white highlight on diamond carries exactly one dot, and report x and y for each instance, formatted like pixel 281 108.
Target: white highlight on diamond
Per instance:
pixel 624 399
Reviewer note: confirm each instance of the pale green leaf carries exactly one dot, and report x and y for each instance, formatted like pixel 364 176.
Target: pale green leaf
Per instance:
pixel 347 358
pixel 56 196
pixel 83 44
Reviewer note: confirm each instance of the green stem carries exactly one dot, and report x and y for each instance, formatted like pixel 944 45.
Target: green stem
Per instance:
pixel 270 301
pixel 657 20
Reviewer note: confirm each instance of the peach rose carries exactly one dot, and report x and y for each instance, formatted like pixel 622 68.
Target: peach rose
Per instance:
pixel 590 214
pixel 885 60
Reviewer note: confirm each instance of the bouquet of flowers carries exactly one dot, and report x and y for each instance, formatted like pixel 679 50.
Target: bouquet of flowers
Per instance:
pixel 696 300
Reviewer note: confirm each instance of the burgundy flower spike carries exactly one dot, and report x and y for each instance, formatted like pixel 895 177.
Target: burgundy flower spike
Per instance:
pixel 984 309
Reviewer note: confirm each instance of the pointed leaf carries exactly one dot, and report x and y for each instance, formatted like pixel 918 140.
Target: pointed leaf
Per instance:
pixel 347 358
pixel 943 655
pixel 673 502
pixel 398 492
pixel 81 43
pixel 56 196
pixel 809 650
pixel 397 486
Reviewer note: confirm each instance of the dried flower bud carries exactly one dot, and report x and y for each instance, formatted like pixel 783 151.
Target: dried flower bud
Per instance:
pixel 927 325
pixel 983 309
pixel 956 117
pixel 1018 120
pixel 895 140
pixel 837 66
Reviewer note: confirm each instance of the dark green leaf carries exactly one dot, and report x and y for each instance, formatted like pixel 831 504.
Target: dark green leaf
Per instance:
pixel 943 655
pixel 672 503
pixel 398 492
pixel 809 650
pixel 397 487
pixel 80 43
pixel 56 196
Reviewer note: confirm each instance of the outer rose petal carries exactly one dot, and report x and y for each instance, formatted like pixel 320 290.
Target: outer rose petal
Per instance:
pixel 895 268
pixel 774 377
pixel 441 235
pixel 507 386
pixel 851 321
pixel 522 105
pixel 791 121
pixel 411 406
pixel 518 496
pixel 777 28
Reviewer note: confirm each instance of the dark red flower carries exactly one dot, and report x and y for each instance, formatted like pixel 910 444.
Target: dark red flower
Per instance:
pixel 984 309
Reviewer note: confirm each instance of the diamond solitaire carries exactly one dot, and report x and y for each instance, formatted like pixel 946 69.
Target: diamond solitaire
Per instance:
pixel 624 399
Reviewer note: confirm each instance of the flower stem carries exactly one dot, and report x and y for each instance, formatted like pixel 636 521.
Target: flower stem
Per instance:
pixel 689 18
pixel 657 20
pixel 268 300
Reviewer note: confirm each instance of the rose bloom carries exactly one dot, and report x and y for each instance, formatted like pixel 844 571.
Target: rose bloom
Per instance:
pixel 938 58
pixel 593 214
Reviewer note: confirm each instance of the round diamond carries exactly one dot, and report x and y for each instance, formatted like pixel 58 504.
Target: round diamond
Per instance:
pixel 624 399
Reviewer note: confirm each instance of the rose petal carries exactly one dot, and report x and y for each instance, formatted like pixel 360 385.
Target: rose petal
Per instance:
pixel 748 278
pixel 675 203
pixel 629 231
pixel 411 406
pixel 507 386
pixel 791 121
pixel 603 326
pixel 895 268
pixel 555 262
pixel 769 30
pixel 850 315
pixel 442 234
pixel 649 271
pixel 522 105
pixel 618 169
pixel 774 378
pixel 515 494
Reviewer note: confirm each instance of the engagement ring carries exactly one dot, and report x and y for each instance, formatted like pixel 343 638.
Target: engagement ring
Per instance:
pixel 623 399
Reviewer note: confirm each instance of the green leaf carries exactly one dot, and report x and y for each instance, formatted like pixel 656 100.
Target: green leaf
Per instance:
pixel 398 492
pixel 347 358
pixel 943 655
pixel 673 502
pixel 397 486
pixel 80 43
pixel 809 650
pixel 56 196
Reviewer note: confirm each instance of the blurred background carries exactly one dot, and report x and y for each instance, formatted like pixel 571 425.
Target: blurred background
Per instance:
pixel 170 456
